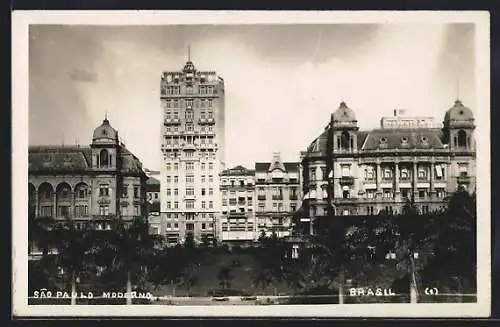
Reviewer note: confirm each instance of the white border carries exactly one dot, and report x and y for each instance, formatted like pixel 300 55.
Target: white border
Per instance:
pixel 20 22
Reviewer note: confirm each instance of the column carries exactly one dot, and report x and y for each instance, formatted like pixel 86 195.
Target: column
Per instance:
pixel 54 212
pixel 72 209
pixel 431 178
pixel 37 204
pixel 379 181
pixel 396 180
pixel 415 189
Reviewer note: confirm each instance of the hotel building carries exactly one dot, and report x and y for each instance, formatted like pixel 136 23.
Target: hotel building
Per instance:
pixel 97 185
pixel 376 171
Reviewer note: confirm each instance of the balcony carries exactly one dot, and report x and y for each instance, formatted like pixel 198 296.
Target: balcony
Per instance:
pixel 346 180
pixel 172 121
pixel 261 197
pixel 463 179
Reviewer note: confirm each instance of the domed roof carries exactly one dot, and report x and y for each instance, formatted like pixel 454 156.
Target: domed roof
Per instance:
pixel 459 112
pixel 344 114
pixel 189 66
pixel 105 133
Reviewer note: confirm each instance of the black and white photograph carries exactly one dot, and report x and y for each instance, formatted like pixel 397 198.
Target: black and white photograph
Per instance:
pixel 293 164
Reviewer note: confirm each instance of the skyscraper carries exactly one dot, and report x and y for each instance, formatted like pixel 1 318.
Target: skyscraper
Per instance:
pixel 192 145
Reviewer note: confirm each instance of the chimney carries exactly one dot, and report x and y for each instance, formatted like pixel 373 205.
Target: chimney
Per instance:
pixel 395 113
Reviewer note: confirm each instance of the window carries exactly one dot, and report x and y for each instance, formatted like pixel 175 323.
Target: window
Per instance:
pixel 462 169
pixel 136 210
pixel 190 191
pixel 169 205
pixel 168 179
pixel 168 191
pixel 370 194
pixel 176 205
pixel 136 192
pixel 210 204
pixel 190 204
pixel 189 154
pixel 421 173
pixel 232 202
pixel 404 174
pixel 224 202
pixel 210 191
pixel 210 179
pixel 125 191
pixel 387 173
pixel 176 225
pixel 104 158
pixel 203 226
pixel 167 166
pixel 439 172
pixel 189 127
pixel 189 165
pixel 440 193
pixel 203 204
pixel 46 211
pixel 81 210
pixel 293 207
pixel 176 191
pixel 210 166
pixel 82 193
pixel 176 166
pixel 189 102
pixel 189 179
pixel 369 173
pixel 425 210
pixel 104 210
pixel 203 191
pixel 313 174
pixel 404 192
pixel 202 166
pixel 104 190
pixel 203 178
pixel 346 170
pixel 387 193
pixel 63 211
pixel 156 196
pixel 346 194
pixel 176 179
pixel 422 193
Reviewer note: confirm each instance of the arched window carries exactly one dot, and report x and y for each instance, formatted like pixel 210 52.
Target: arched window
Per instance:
pixel 103 158
pixel 462 138
pixel 344 140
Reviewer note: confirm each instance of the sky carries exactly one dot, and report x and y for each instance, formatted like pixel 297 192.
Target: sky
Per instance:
pixel 282 82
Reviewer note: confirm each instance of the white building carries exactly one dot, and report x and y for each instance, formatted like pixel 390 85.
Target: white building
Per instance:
pixel 192 145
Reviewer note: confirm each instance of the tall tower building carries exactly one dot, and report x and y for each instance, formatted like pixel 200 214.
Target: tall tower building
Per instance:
pixel 192 145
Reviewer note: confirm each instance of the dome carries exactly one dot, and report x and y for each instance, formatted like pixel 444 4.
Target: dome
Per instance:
pixel 189 67
pixel 458 113
pixel 344 114
pixel 105 133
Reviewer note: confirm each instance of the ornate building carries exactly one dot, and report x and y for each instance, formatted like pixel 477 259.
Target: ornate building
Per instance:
pixel 277 186
pixel 237 222
pixel 153 197
pixel 96 185
pixel 192 145
pixel 376 171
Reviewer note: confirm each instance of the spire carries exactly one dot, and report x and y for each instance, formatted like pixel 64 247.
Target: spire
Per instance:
pixel 457 89
pixel 189 52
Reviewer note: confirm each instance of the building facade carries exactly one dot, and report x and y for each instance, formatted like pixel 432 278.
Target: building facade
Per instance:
pixel 378 170
pixel 96 185
pixel 277 187
pixel 192 145
pixel 237 223
pixel 153 203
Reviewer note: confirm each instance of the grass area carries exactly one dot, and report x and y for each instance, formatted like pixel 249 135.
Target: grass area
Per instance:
pixel 208 270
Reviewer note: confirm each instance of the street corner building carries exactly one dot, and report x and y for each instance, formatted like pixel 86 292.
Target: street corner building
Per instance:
pixel 94 186
pixel 192 145
pixel 277 186
pixel 357 172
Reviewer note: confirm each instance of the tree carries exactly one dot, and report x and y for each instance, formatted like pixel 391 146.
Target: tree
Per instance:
pixel 72 247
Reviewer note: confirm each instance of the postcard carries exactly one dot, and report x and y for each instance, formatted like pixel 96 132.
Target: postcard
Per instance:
pixel 251 164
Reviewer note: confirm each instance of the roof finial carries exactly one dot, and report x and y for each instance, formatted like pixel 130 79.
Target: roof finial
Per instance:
pixel 189 52
pixel 457 86
pixel 106 114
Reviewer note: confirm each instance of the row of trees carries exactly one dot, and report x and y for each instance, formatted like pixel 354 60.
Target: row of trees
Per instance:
pixel 405 252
